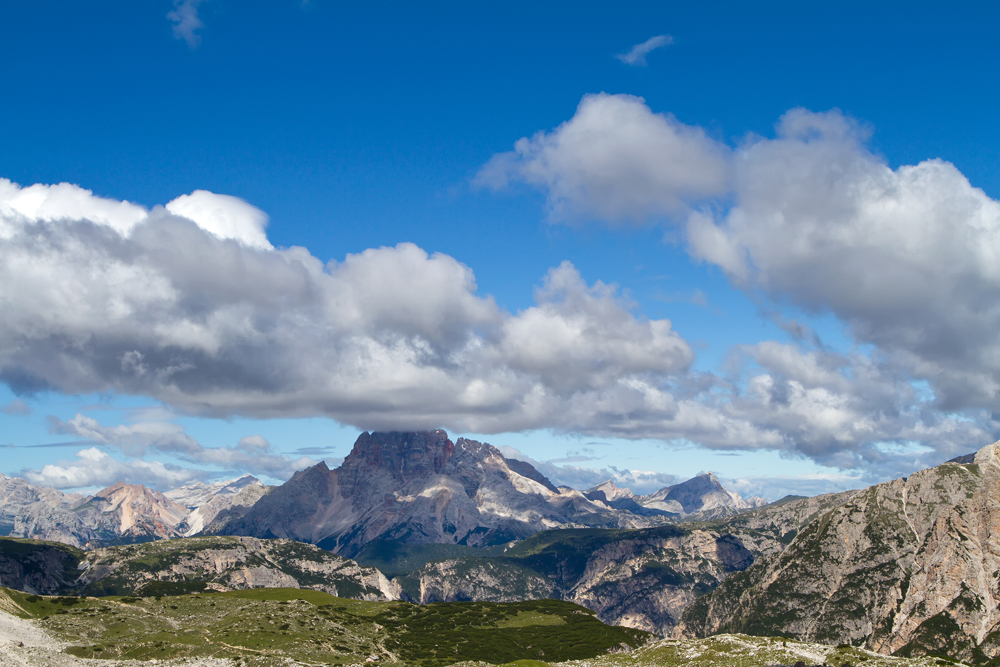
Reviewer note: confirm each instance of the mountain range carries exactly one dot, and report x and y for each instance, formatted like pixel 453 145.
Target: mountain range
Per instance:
pixel 414 488
pixel 907 567
pixel 120 514
pixel 422 488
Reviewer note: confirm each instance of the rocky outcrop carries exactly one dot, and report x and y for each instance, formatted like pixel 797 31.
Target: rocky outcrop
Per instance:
pixel 907 567
pixel 419 488
pixel 227 563
pixel 185 565
pixel 639 578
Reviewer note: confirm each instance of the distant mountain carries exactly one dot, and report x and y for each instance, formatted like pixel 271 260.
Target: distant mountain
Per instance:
pixel 415 488
pixel 907 567
pixel 703 494
pixel 419 488
pixel 120 514
pixel 216 503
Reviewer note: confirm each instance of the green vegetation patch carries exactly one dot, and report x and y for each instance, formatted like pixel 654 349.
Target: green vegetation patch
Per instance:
pixel 444 633
pixel 261 626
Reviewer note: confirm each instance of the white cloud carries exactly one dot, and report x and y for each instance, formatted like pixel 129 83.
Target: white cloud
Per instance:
pixel 637 54
pixel 580 336
pixel 906 257
pixel 63 201
pixel 186 22
pixel 253 454
pixel 92 467
pixel 909 258
pixel 616 161
pixel 774 488
pixel 579 477
pixel 390 338
pixel 225 216
pixel 162 305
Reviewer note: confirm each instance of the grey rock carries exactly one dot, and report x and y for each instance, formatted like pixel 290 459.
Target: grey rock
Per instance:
pixel 906 567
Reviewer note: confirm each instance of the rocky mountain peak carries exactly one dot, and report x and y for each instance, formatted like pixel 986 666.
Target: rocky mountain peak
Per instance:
pixel 609 492
pixel 703 492
pixel 988 455
pixel 405 455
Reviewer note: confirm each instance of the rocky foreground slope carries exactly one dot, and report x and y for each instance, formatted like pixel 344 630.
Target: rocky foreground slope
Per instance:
pixel 908 566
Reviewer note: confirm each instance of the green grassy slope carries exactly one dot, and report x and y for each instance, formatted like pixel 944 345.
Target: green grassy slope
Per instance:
pixel 264 625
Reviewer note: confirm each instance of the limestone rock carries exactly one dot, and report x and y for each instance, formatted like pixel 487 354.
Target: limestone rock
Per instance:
pixel 907 566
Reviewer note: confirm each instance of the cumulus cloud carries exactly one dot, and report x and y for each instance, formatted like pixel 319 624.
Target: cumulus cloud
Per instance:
pixel 579 477
pixel 636 56
pixel 226 217
pixel 616 161
pixel 92 467
pixel 186 21
pixel 775 488
pixel 251 454
pixel 210 319
pixel 907 257
pixel 847 411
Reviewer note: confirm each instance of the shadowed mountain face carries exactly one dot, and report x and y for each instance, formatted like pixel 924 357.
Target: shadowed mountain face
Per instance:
pixel 420 488
pixel 906 567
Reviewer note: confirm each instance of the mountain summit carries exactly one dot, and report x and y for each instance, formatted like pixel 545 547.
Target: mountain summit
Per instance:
pixel 704 494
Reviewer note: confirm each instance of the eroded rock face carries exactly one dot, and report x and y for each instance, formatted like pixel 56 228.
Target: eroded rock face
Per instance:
pixel 122 513
pixel 908 566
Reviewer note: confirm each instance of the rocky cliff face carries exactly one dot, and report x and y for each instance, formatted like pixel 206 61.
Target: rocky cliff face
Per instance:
pixel 420 488
pixel 43 568
pixel 210 506
pixel 120 513
pixel 185 565
pixel 908 567
pixel 227 563
pixel 18 496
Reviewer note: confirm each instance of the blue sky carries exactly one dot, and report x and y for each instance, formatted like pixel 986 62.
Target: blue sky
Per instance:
pixel 362 127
